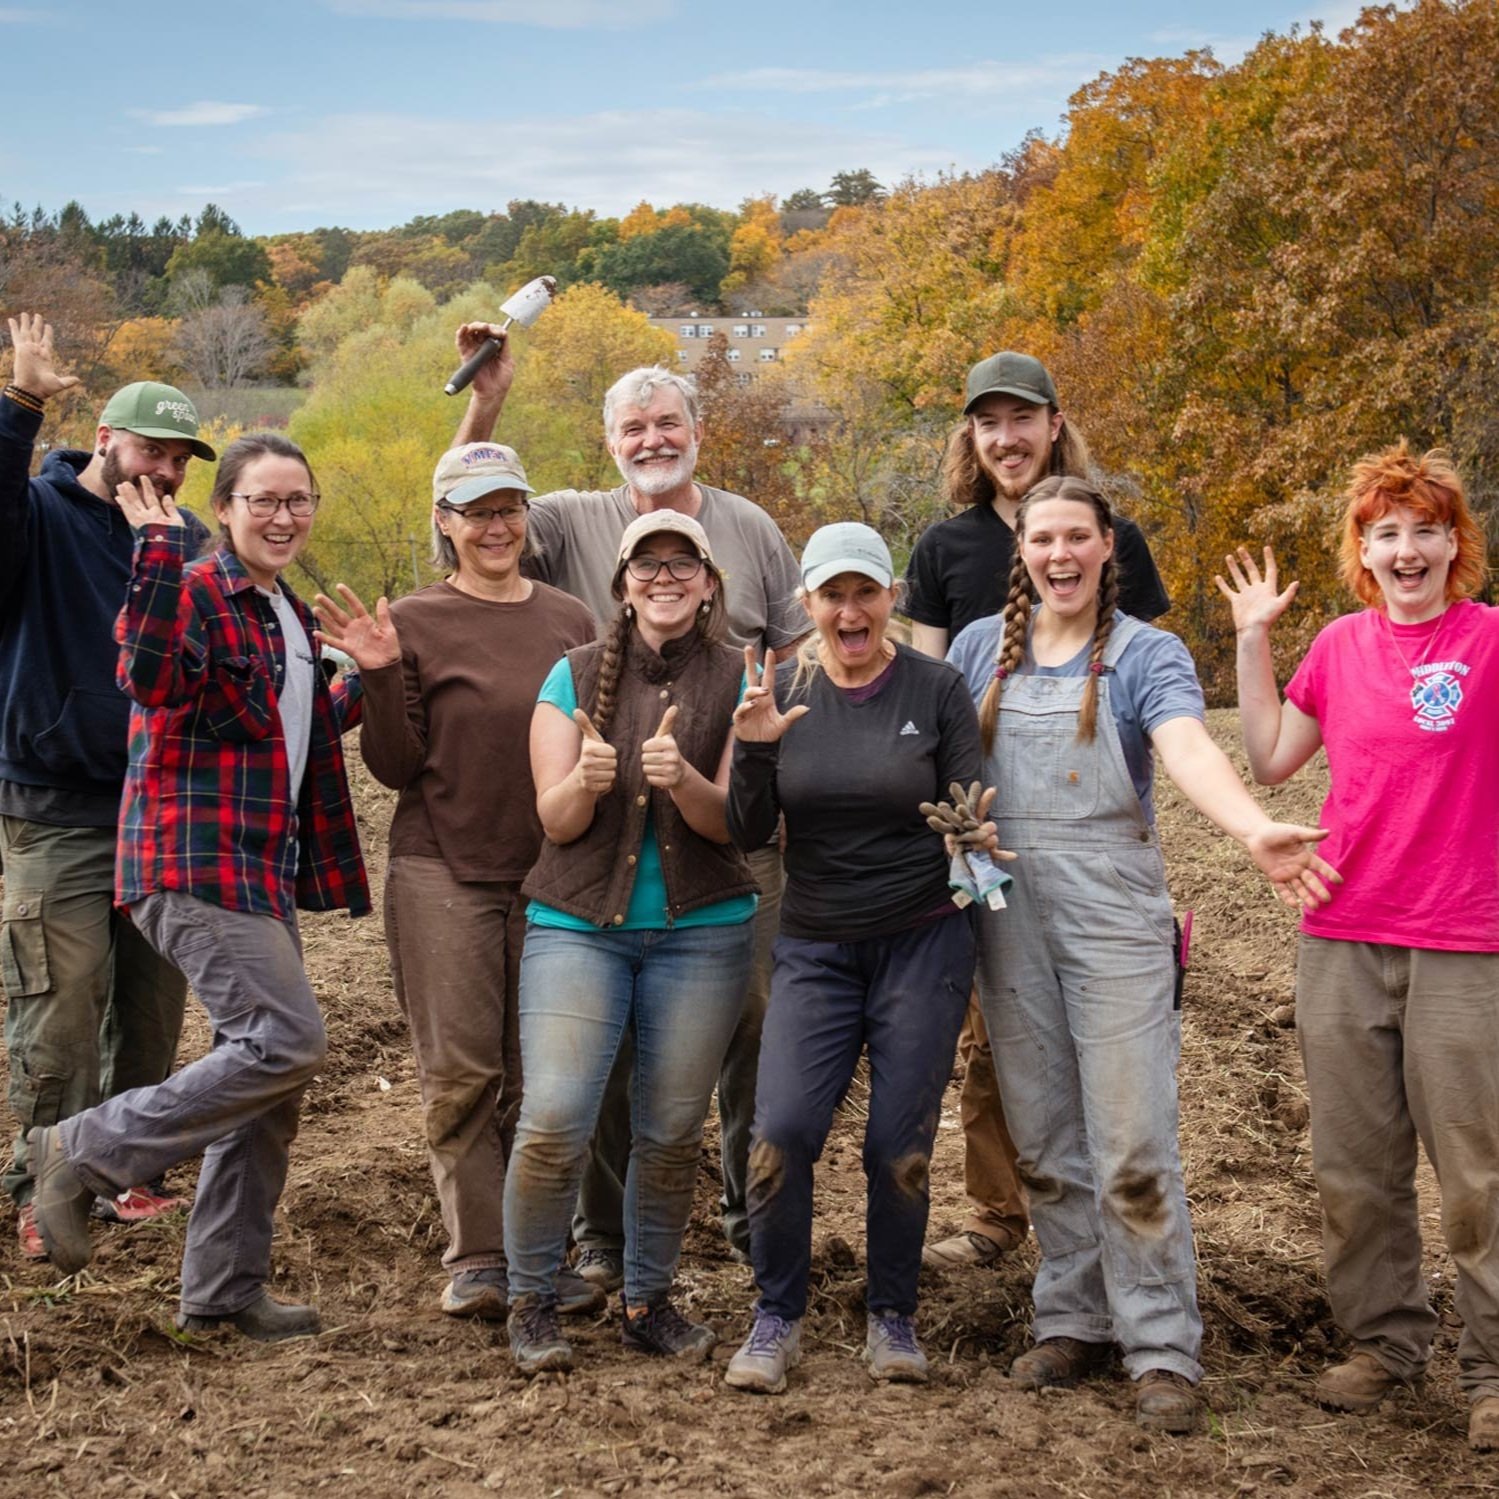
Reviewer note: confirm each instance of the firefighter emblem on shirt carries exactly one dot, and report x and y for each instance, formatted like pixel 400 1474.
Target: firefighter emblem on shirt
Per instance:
pixel 1436 697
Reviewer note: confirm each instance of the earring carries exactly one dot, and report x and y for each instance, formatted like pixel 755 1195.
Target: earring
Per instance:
pixel 629 611
pixel 704 607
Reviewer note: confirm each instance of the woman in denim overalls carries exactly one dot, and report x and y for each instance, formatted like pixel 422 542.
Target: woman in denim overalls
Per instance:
pixel 1077 976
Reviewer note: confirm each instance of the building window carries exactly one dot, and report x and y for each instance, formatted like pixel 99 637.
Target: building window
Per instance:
pixel 681 356
pixel 705 330
pixel 741 330
pixel 744 378
pixel 688 330
pixel 767 356
pixel 792 329
pixel 732 355
pixel 757 330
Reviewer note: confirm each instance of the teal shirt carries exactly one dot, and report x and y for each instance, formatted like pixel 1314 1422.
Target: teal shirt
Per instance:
pixel 647 908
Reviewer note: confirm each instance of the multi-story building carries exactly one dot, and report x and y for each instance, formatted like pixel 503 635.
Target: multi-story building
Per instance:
pixel 753 338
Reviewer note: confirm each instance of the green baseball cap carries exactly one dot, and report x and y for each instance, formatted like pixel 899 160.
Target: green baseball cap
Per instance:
pixel 1010 374
pixel 150 409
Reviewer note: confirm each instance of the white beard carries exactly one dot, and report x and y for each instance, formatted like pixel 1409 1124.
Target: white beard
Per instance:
pixel 656 479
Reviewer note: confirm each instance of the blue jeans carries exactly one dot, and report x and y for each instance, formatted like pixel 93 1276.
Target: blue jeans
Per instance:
pixel 679 994
pixel 904 997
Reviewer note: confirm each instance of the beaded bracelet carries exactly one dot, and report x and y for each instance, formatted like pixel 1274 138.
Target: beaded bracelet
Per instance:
pixel 24 398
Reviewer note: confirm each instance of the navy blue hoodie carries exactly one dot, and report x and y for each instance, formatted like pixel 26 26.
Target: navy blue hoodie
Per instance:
pixel 64 567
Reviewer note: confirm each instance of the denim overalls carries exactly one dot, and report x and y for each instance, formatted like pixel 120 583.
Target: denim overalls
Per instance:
pixel 1077 983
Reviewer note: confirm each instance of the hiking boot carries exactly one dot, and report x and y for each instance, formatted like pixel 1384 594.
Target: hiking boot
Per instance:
pixel 891 1349
pixel 138 1204
pixel 1165 1401
pixel 1483 1425
pixel 660 1328
pixel 772 1347
pixel 1358 1384
pixel 264 1320
pixel 576 1295
pixel 605 1268
pixel 964 1250
pixel 477 1293
pixel 536 1342
pixel 60 1203
pixel 1058 1361
pixel 27 1237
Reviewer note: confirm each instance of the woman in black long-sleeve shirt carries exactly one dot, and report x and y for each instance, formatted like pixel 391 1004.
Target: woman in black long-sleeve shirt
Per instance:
pixel 872 953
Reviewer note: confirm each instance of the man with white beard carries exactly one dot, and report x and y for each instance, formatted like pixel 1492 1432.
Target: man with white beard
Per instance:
pixel 653 430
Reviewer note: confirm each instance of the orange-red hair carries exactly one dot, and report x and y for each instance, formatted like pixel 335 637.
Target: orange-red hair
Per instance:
pixel 1429 486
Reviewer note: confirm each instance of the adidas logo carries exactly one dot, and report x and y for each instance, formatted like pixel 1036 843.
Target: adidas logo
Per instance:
pixel 910 728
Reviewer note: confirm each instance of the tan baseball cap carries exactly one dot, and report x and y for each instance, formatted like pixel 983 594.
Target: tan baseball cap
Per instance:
pixel 654 522
pixel 474 470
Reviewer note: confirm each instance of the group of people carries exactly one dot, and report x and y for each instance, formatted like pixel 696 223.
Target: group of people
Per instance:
pixel 663 830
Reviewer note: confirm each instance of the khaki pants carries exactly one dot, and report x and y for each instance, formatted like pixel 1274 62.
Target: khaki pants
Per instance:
pixel 92 1010
pixel 1403 1042
pixel 990 1175
pixel 455 952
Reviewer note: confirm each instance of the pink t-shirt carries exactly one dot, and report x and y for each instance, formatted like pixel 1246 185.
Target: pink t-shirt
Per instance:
pixel 1410 718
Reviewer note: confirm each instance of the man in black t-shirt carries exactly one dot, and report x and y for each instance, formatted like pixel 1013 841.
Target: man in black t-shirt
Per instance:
pixel 1013 435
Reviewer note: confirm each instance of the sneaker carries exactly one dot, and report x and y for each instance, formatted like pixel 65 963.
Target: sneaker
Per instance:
pixel 60 1203
pixel 264 1320
pixel 536 1342
pixel 661 1328
pixel 1357 1384
pixel 605 1268
pixel 772 1347
pixel 1058 1361
pixel 892 1351
pixel 138 1204
pixel 577 1296
pixel 29 1240
pixel 1166 1401
pixel 964 1250
pixel 477 1293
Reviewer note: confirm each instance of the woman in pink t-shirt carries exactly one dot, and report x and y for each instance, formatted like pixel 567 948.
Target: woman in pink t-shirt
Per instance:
pixel 1397 994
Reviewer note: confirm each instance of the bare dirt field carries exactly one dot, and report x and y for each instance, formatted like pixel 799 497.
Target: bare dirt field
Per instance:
pixel 99 1396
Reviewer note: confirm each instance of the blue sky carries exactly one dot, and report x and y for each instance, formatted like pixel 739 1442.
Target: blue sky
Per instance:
pixel 367 112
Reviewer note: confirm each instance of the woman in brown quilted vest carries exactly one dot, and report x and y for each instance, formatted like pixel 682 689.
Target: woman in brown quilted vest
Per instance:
pixel 639 922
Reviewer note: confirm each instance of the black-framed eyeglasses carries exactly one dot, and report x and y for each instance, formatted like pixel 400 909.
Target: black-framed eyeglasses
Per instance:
pixel 264 505
pixel 478 518
pixel 683 569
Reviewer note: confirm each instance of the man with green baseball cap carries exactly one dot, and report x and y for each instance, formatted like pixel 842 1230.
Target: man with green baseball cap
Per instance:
pixel 70 961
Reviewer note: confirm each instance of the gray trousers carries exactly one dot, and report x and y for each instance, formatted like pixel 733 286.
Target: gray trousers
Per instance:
pixel 91 1009
pixel 1400 1043
pixel 237 1106
pixel 599 1221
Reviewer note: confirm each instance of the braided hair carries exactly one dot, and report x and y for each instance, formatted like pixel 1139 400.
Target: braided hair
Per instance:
pixel 1022 597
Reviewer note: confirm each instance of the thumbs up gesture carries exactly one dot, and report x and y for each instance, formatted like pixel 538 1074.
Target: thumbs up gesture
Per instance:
pixel 597 758
pixel 659 756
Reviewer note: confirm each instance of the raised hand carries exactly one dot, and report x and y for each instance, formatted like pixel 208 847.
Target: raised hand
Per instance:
pixel 1287 856
pixel 1253 599
pixel 493 382
pixel 370 639
pixel 142 506
pixel 36 368
pixel 660 759
pixel 757 719
pixel 597 759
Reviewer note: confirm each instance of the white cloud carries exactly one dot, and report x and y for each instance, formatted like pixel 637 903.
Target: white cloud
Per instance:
pixel 556 14
pixel 204 112
pixel 377 169
pixel 978 80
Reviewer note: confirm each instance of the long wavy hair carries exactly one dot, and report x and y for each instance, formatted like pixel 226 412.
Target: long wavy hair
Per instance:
pixel 1021 599
pixel 965 481
pixel 1429 486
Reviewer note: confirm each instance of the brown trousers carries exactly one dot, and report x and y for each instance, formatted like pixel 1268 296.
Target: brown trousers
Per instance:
pixel 455 953
pixel 990 1175
pixel 1402 1043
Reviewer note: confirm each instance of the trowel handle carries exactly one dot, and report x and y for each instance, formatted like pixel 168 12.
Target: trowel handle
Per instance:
pixel 474 363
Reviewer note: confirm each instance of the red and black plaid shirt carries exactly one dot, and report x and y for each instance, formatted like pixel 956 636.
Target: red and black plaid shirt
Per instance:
pixel 207 808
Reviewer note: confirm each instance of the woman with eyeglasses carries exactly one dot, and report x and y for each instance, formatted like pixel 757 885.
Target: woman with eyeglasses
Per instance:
pixel 641 918
pixel 236 812
pixel 451 674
